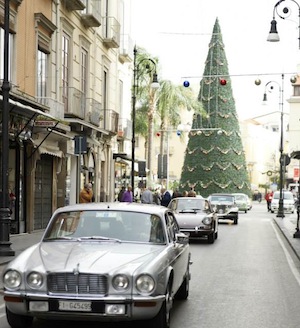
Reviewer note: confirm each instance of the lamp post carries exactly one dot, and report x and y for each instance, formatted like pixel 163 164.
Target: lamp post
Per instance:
pixel 273 34
pixel 280 212
pixel 154 85
pixel 5 244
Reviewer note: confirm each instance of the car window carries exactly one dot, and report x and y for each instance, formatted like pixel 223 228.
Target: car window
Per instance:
pixel 188 204
pixel 122 225
pixel 172 226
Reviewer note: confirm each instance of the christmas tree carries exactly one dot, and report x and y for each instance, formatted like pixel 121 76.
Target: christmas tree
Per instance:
pixel 214 159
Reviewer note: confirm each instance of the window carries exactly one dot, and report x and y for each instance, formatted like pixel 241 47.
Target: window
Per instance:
pixel 42 74
pixel 65 61
pixel 296 90
pixel 83 70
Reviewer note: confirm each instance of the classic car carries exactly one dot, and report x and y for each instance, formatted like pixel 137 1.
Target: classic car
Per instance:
pixel 241 201
pixel 225 207
pixel 195 217
pixel 101 262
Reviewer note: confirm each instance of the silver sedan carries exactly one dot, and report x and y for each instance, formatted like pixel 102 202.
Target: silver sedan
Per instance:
pixel 101 262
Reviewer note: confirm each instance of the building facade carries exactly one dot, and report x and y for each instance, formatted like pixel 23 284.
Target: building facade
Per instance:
pixel 70 74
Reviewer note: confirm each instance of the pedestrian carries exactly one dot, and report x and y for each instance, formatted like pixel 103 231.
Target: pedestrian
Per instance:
pixel 268 198
pixel 147 196
pixel 127 195
pixel 157 197
pixel 120 195
pixel 165 197
pixel 176 194
pixel 86 194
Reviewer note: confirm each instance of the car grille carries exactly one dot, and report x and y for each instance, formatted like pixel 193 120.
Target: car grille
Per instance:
pixel 81 283
pixel 222 208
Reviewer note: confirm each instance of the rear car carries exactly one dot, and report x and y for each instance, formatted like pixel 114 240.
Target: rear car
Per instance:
pixel 288 201
pixel 195 217
pixel 101 262
pixel 241 201
pixel 225 206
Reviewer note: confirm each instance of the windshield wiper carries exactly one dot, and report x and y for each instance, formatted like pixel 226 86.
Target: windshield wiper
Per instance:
pixel 102 238
pixel 61 238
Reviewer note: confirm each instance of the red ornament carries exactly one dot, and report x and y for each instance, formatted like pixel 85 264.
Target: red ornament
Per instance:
pixel 158 134
pixel 223 82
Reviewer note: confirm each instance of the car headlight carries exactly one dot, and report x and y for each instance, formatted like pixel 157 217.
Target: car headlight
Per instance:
pixel 145 284
pixel 120 282
pixel 34 280
pixel 207 220
pixel 12 279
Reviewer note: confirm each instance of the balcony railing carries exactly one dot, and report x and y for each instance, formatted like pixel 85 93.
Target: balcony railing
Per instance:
pixel 56 108
pixel 91 16
pixel 74 4
pixel 93 108
pixel 111 32
pixel 110 121
pixel 126 48
pixel 124 129
pixel 75 103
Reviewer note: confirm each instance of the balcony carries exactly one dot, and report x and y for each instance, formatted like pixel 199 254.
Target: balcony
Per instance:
pixel 126 49
pixel 110 121
pixel 111 32
pixel 74 4
pixel 93 108
pixel 75 103
pixel 124 129
pixel 90 16
pixel 56 108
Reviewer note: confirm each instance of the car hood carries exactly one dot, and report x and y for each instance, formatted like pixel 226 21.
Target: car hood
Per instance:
pixel 189 219
pixel 98 257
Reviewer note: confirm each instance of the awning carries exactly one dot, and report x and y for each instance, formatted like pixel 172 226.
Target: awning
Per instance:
pixel 24 109
pixel 50 151
pixel 84 123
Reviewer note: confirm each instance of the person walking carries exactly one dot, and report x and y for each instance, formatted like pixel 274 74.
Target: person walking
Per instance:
pixel 268 198
pixel 120 195
pixel 86 194
pixel 147 196
pixel 165 197
pixel 127 195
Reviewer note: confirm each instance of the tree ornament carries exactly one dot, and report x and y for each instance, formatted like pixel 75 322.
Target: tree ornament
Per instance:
pixel 223 82
pixel 186 84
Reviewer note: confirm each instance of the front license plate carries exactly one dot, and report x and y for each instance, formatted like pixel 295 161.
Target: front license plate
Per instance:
pixel 75 306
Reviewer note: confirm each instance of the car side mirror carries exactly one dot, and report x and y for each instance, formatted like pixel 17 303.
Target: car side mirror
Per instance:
pixel 181 238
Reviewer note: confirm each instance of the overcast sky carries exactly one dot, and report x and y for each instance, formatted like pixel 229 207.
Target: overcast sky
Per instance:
pixel 178 33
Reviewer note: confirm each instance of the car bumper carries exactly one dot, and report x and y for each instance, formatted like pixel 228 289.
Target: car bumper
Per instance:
pixel 197 233
pixel 123 308
pixel 286 208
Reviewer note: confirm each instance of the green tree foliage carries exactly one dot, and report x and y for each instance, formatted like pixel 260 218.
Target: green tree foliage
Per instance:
pixel 214 158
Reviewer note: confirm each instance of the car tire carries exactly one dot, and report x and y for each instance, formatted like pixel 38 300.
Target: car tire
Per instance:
pixel 211 238
pixel 183 291
pixel 216 235
pixel 17 320
pixel 162 319
pixel 235 220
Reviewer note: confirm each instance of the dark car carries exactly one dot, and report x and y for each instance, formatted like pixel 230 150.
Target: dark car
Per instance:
pixel 225 206
pixel 195 217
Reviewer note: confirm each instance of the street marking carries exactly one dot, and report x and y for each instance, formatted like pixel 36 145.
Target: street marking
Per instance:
pixel 288 257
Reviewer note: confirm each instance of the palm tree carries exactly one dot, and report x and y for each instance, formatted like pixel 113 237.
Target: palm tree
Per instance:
pixel 161 108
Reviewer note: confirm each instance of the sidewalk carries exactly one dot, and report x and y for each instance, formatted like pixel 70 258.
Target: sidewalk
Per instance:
pixel 21 242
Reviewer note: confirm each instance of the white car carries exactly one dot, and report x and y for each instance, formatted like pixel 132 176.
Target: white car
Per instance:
pixel 288 201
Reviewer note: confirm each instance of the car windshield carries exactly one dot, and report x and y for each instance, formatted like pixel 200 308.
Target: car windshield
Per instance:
pixel 286 195
pixel 190 204
pixel 106 226
pixel 220 199
pixel 240 197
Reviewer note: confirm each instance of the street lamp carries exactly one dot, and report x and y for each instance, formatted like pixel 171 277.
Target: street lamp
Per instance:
pixel 273 35
pixel 154 85
pixel 280 212
pixel 5 244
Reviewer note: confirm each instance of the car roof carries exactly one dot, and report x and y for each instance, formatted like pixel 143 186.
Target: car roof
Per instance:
pixel 114 206
pixel 220 194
